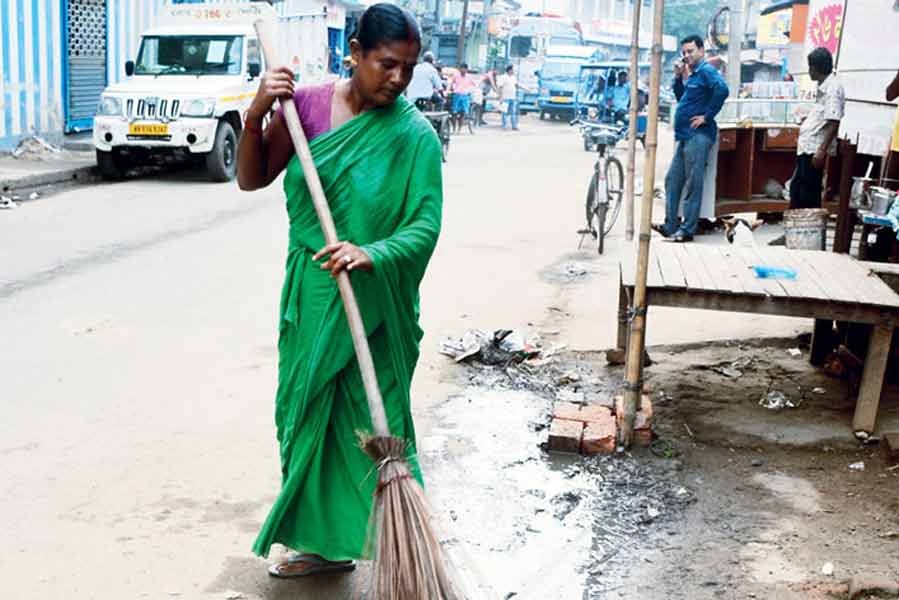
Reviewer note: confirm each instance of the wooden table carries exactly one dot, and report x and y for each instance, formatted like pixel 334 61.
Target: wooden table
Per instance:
pixel 828 286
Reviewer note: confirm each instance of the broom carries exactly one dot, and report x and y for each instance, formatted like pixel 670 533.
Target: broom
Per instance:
pixel 409 563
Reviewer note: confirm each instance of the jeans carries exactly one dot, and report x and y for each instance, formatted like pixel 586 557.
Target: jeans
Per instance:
pixel 807 184
pixel 511 113
pixel 687 170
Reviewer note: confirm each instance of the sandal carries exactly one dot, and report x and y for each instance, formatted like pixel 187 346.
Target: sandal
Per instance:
pixel 315 565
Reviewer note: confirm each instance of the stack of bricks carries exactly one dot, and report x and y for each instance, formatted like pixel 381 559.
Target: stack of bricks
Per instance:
pixel 594 429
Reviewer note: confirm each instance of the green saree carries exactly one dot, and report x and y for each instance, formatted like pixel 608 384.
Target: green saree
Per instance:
pixel 381 172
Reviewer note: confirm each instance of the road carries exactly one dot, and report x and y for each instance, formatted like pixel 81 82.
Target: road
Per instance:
pixel 137 447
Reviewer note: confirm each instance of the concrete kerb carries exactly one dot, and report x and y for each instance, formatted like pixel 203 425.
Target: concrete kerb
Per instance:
pixel 84 173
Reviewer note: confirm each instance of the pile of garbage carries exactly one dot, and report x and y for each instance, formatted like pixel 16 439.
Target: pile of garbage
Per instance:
pixel 35 148
pixel 502 347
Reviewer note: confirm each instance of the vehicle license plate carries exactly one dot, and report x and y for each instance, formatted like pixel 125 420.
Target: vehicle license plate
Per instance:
pixel 148 129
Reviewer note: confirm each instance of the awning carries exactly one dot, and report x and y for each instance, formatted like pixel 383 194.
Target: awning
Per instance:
pixel 781 5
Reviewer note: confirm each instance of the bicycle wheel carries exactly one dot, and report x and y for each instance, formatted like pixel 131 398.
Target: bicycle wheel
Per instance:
pixel 614 191
pixel 595 190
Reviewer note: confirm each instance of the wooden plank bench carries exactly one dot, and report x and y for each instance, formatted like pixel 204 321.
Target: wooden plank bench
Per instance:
pixel 828 287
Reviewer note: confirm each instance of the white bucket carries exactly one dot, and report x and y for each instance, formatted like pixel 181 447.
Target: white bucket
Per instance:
pixel 805 228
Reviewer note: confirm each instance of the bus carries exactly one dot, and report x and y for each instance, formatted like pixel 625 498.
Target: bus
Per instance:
pixel 526 48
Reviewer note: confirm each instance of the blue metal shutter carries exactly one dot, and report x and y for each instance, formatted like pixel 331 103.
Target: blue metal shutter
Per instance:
pixel 86 28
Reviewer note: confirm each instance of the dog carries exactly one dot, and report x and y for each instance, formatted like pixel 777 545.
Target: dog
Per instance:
pixel 738 231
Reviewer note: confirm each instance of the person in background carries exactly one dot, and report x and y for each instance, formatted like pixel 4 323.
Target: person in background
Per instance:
pixel 426 84
pixel 508 95
pixel 488 83
pixel 700 91
pixel 620 98
pixel 817 135
pixel 461 87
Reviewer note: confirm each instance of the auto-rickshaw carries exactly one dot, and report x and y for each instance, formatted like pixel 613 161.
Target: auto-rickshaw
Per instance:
pixel 593 98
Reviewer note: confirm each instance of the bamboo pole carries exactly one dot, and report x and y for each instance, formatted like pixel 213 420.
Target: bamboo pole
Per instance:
pixel 632 126
pixel 637 338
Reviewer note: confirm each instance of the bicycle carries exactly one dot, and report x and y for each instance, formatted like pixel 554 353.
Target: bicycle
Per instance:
pixel 439 118
pixel 606 189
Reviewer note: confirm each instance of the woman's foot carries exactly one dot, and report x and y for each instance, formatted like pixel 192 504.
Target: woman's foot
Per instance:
pixel 303 565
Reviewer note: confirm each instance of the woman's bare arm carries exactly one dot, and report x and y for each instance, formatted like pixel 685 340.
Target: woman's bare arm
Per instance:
pixel 262 155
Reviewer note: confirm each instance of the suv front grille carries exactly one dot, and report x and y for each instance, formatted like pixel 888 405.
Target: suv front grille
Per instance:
pixel 159 109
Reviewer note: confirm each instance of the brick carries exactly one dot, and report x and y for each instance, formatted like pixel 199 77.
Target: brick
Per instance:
pixel 642 421
pixel 565 436
pixel 600 437
pixel 567 411
pixel 642 438
pixel 595 413
pixel 891 446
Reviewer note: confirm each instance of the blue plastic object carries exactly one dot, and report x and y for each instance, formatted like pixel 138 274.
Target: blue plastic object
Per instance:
pixel 766 272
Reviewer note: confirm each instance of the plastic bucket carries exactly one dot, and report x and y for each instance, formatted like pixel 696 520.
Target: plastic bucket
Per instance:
pixel 805 228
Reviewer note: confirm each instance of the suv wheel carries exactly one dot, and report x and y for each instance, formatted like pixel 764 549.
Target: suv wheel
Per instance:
pixel 221 163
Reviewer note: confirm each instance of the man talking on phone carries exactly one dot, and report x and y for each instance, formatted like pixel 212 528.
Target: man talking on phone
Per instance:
pixel 700 92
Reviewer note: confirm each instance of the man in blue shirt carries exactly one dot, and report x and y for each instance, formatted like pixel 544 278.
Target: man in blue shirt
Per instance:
pixel 700 92
pixel 620 97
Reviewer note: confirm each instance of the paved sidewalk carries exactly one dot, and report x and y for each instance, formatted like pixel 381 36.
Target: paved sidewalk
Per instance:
pixel 63 167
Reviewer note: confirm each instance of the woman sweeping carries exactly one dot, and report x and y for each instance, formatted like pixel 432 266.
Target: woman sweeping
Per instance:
pixel 379 162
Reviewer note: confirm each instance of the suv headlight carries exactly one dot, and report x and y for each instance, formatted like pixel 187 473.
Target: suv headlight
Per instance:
pixel 109 106
pixel 201 107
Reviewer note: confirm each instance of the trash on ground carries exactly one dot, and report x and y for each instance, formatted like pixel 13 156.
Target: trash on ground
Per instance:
pixel 728 372
pixel 34 147
pixel 857 466
pixel 33 196
pixel 503 346
pixel 742 363
pixel 827 569
pixel 794 352
pixel 568 377
pixel 769 272
pixel 573 270
pixel 776 400
pixel 819 390
pixel 6 202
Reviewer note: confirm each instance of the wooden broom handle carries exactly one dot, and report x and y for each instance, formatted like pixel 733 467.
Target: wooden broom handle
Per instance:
pixel 320 202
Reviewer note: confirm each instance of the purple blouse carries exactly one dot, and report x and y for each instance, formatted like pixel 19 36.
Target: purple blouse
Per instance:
pixel 314 107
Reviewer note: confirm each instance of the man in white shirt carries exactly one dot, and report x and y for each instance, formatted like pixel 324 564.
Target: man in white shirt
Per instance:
pixel 817 134
pixel 508 86
pixel 426 83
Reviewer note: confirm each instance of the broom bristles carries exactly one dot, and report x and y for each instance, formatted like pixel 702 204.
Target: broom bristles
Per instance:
pixel 409 563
